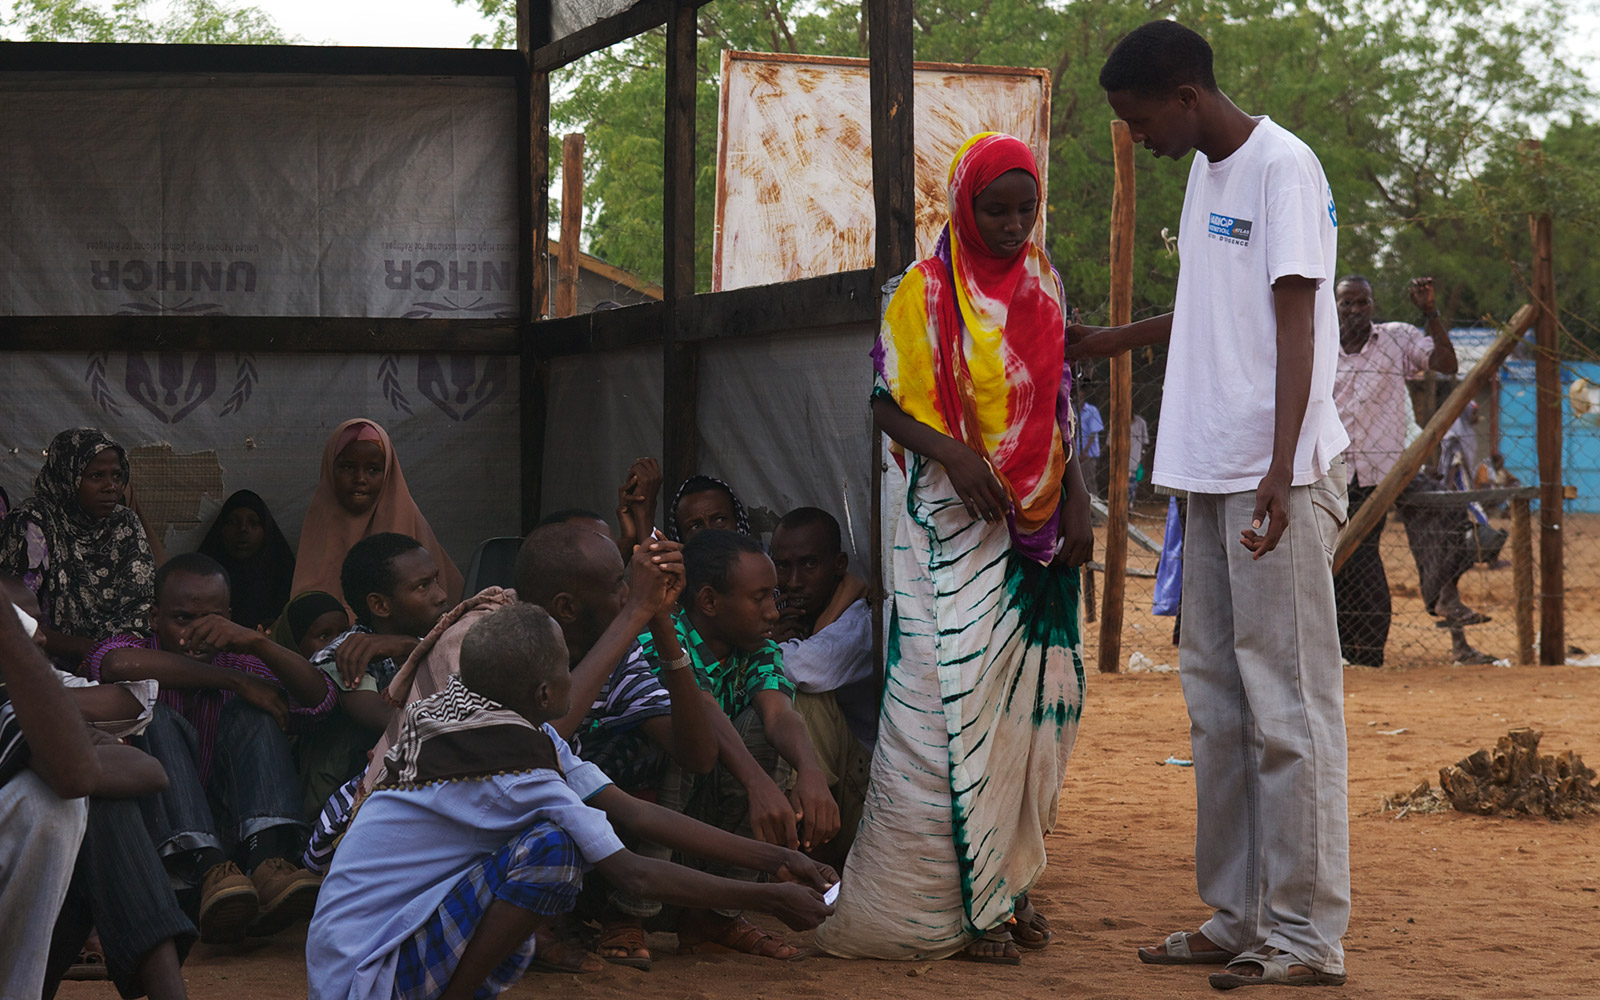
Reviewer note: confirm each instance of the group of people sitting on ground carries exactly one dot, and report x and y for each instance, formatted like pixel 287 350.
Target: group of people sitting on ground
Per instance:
pixel 247 710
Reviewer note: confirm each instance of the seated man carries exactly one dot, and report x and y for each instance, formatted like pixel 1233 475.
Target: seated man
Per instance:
pixel 625 719
pixel 477 834
pixel 119 887
pixel 824 631
pixel 724 632
pixel 228 694
pixel 392 584
pixel 47 768
pixel 117 881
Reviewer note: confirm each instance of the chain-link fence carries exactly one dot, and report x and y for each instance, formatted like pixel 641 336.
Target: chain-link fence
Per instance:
pixel 1435 582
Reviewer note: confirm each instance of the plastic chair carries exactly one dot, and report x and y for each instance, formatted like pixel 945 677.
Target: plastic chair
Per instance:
pixel 494 564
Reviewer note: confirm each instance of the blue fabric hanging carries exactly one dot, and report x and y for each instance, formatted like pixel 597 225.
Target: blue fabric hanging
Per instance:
pixel 1169 572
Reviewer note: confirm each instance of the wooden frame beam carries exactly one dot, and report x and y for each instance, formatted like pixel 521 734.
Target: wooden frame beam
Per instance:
pixel 681 368
pixel 155 57
pixel 533 238
pixel 891 69
pixel 643 16
pixel 260 334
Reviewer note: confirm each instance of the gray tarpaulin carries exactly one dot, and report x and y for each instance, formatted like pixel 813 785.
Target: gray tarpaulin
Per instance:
pixel 263 195
pixel 201 425
pixel 247 195
pixel 784 420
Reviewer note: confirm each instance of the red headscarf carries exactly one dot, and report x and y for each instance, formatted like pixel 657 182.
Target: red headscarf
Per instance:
pixel 973 345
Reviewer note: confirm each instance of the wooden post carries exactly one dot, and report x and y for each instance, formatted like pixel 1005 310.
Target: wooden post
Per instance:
pixel 894 166
pixel 571 225
pixel 894 196
pixel 1547 393
pixel 1121 415
pixel 1411 459
pixel 1522 577
pixel 533 239
pixel 681 370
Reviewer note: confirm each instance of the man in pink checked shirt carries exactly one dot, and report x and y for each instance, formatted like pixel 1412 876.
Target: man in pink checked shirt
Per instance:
pixel 231 816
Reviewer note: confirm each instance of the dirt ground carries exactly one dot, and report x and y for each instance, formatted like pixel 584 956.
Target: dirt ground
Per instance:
pixel 1446 905
pixel 1413 639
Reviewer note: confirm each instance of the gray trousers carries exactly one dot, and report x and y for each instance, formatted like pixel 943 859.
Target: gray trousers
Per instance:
pixel 39 837
pixel 1261 675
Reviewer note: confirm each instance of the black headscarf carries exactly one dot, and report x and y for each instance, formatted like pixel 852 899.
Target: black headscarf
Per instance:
pixel 101 575
pixel 702 484
pixel 260 584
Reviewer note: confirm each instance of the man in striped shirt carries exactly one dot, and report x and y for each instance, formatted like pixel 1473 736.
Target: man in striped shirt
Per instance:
pixel 228 697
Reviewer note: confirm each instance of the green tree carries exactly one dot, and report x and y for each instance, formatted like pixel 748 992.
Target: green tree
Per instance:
pixel 1417 111
pixel 181 22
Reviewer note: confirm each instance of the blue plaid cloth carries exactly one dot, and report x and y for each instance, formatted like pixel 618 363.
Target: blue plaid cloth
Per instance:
pixel 540 871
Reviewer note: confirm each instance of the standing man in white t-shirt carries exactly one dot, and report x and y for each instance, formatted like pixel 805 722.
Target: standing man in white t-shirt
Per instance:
pixel 1250 430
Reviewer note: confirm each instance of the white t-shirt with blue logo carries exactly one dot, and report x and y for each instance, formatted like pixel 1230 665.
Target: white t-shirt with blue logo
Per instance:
pixel 1262 213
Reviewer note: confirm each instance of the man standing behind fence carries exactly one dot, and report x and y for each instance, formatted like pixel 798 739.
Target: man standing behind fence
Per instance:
pixel 1370 388
pixel 1249 429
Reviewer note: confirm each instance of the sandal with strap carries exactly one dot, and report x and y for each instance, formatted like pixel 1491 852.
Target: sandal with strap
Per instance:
pixel 1029 928
pixel 1275 966
pixel 1009 955
pixel 1176 951
pixel 91 963
pixel 740 935
pixel 621 943
pixel 563 954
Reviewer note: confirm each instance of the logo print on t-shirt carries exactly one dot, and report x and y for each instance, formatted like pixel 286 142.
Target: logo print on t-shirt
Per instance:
pixel 1229 230
pixel 1333 213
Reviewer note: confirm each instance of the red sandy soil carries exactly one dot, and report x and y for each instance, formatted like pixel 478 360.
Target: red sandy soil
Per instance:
pixel 1446 905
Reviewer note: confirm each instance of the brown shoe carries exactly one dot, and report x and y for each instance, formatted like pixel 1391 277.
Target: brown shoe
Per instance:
pixel 288 894
pixel 228 903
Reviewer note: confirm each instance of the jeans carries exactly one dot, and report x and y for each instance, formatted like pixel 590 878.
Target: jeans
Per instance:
pixel 1265 690
pixel 253 784
pixel 119 888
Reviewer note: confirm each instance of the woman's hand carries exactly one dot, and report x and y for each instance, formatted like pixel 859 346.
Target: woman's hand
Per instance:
pixel 974 482
pixel 1077 535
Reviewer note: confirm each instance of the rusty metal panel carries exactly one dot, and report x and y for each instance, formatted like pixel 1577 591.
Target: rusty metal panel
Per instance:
pixel 794 148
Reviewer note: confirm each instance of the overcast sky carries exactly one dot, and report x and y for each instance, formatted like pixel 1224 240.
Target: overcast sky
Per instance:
pixel 427 23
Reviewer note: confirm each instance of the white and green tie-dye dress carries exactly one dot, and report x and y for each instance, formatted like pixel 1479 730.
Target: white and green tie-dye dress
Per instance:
pixel 982 697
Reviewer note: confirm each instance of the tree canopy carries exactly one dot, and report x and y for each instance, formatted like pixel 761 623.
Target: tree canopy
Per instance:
pixel 1421 113
pixel 179 22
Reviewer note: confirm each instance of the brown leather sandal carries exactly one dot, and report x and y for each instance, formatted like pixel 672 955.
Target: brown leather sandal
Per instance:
pixel 559 953
pixel 740 935
pixel 624 944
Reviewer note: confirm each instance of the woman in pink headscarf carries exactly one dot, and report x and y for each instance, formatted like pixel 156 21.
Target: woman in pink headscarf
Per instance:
pixel 362 492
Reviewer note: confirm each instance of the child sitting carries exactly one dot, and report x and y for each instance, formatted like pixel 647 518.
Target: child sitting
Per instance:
pixel 395 588
pixel 479 783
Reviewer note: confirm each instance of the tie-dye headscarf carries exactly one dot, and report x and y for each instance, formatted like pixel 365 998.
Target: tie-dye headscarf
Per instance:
pixel 973 345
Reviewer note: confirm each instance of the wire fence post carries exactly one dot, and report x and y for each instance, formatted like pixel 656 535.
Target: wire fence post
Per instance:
pixel 1121 415
pixel 1547 379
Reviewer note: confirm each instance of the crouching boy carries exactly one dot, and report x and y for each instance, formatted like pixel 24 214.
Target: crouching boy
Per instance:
pixel 477 834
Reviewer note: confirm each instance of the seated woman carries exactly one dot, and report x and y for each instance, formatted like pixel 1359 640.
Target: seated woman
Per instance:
pixel 705 502
pixel 82 553
pixel 362 492
pixel 248 543
pixel 309 622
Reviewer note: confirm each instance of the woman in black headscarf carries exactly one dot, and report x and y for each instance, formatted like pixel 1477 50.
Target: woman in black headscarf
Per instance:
pixel 248 543
pixel 76 546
